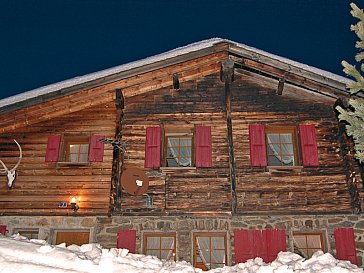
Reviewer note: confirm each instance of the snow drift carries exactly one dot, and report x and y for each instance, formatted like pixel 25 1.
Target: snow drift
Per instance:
pixel 20 255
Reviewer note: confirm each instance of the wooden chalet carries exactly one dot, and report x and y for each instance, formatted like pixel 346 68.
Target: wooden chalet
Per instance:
pixel 212 153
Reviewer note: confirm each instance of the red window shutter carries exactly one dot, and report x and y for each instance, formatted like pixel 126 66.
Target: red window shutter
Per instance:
pixel 258 150
pixel 153 147
pixel 266 244
pixel 203 146
pixel 260 244
pixel 276 242
pixel 126 239
pixel 243 245
pixel 96 153
pixel 308 145
pixel 345 245
pixel 2 229
pixel 53 146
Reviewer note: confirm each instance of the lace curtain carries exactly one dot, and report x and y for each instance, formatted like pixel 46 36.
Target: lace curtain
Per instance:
pixel 306 245
pixel 281 144
pixel 211 250
pixel 182 156
pixel 162 247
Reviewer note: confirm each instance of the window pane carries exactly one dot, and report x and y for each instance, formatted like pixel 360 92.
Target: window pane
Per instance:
pixel 185 142
pixel 74 148
pixel 218 256
pixel 153 242
pixel 84 148
pixel 167 255
pixel 167 242
pixel 172 152
pixel 286 138
pixel 288 160
pixel 310 252
pixel 173 142
pixel 218 242
pixel 73 158
pixel 153 253
pixel 314 241
pixel 287 149
pixel 83 158
pixel 172 162
pixel 274 161
pixel 185 162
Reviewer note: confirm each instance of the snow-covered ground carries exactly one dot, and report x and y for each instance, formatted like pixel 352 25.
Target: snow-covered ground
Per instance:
pixel 19 255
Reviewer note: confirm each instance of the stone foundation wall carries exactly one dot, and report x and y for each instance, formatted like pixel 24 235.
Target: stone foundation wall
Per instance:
pixel 104 229
pixel 47 225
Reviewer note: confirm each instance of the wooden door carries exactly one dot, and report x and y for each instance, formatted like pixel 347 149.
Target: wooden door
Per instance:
pixel 72 237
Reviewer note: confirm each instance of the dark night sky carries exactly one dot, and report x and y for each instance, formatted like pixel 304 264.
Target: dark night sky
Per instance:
pixel 46 41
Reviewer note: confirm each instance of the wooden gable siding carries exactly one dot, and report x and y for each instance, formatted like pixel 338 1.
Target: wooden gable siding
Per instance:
pixel 40 186
pixel 103 93
pixel 186 190
pixel 307 189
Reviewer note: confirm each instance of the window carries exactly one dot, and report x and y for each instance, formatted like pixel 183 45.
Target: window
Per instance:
pixel 178 150
pixel 70 237
pixel 162 246
pixel 180 147
pixel 281 146
pixel 306 244
pixel 30 234
pixel 75 149
pixel 209 250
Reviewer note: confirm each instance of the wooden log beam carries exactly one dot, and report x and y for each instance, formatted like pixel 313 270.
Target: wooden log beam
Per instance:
pixel 227 75
pixel 292 78
pixel 280 86
pixel 118 156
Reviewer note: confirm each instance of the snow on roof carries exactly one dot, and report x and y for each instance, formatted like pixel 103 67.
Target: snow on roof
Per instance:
pixel 18 254
pixel 48 89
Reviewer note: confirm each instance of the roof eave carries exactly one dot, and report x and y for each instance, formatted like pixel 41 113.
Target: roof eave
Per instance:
pixel 216 47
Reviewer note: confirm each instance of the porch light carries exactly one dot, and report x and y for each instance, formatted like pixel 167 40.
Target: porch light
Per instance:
pixel 74 205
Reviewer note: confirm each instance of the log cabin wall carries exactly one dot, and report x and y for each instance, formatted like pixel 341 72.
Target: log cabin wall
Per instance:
pixel 40 186
pixel 273 190
pixel 183 190
pixel 321 189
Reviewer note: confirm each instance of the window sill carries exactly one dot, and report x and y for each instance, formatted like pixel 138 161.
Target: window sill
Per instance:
pixel 73 164
pixel 282 169
pixel 171 169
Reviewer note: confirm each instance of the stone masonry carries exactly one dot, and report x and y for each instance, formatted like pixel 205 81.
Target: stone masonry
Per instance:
pixel 103 230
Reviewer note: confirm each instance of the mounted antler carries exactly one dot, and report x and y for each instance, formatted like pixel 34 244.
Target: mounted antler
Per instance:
pixel 11 174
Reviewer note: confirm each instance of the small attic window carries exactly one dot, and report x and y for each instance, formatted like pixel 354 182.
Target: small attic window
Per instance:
pixel 76 149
